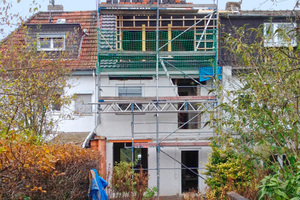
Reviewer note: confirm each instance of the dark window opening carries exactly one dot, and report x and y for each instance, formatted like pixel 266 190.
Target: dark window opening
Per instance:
pixel 244 101
pixel 282 160
pixel 56 106
pixel 189 177
pixel 124 78
pixel 187 87
pixel 123 152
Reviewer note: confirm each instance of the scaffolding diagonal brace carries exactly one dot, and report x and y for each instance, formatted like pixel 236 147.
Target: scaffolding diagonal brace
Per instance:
pixel 186 167
pixel 168 76
pixel 179 128
pixel 185 30
pixel 203 32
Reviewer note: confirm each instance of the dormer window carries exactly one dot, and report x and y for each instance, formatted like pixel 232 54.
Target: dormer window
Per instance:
pixel 51 42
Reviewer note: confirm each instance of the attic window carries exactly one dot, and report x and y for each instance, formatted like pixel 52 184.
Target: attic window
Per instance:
pixel 51 42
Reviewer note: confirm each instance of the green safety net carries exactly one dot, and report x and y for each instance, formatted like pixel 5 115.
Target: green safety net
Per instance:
pixel 126 51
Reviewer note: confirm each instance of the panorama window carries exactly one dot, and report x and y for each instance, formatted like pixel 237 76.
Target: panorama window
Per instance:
pixel 280 34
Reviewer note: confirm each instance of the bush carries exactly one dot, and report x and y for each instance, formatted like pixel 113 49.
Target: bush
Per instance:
pixel 126 184
pixel 45 171
pixel 227 171
pixel 281 185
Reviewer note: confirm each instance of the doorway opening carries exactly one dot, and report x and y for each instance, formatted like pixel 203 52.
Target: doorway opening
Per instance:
pixel 189 177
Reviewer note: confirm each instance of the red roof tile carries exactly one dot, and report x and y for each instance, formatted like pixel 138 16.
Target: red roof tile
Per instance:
pixel 87 20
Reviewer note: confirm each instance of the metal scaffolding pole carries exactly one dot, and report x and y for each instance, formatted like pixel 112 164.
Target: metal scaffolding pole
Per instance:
pixel 157 98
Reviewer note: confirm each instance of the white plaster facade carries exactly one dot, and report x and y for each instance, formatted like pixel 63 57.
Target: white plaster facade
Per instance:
pixel 118 127
pixel 70 121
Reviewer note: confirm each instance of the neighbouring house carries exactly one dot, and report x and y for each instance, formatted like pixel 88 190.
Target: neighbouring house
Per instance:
pixel 142 73
pixel 57 32
pixel 268 21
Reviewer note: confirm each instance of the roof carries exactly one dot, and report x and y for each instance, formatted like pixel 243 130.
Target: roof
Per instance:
pixel 76 138
pixel 262 13
pixel 88 22
pixel 286 13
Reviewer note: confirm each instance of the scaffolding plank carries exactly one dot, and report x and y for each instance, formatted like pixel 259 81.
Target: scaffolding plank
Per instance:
pixel 165 54
pixel 151 99
pixel 171 144
pixel 161 6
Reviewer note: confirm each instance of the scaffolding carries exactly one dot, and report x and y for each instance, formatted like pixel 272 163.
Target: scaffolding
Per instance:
pixel 157 39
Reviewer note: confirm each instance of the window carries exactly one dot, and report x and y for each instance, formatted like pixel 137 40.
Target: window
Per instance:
pixel 51 43
pixel 122 152
pixel 279 34
pixel 129 91
pixel 244 101
pixel 187 87
pixel 81 104
pixel 56 105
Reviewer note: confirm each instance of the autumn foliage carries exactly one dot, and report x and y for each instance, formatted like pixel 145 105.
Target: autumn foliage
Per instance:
pixel 45 171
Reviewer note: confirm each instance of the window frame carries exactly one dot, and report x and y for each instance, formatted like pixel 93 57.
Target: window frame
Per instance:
pixel 273 39
pixel 124 106
pixel 57 107
pixel 52 37
pixel 78 112
pixel 128 94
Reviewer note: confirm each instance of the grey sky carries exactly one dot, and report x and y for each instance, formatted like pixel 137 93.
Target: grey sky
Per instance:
pixel 246 5
pixel 71 5
pixel 76 5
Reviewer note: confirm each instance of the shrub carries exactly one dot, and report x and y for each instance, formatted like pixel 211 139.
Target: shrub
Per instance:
pixel 126 184
pixel 227 171
pixel 45 171
pixel 281 186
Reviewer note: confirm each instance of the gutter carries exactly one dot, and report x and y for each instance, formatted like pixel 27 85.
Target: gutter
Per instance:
pixel 86 143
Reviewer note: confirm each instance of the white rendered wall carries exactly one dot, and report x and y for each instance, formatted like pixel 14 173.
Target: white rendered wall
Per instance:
pixel 74 122
pixel 230 83
pixel 118 127
pixel 170 172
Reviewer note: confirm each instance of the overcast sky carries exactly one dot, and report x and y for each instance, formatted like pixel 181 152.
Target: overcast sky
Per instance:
pixel 71 5
pixel 75 5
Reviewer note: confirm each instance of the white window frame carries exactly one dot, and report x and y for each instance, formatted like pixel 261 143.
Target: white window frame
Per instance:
pixel 272 40
pixel 128 87
pixel 77 100
pixel 52 38
pixel 57 105
pixel 123 106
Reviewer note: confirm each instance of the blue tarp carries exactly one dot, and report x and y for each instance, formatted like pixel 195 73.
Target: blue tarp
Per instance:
pixel 206 73
pixel 97 186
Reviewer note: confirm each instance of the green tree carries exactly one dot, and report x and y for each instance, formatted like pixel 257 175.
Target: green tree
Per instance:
pixel 32 84
pixel 261 117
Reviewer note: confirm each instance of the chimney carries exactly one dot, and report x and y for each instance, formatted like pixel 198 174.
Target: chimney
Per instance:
pixel 53 7
pixel 233 6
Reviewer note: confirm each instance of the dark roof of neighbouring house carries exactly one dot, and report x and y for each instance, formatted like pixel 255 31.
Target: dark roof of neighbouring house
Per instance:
pixel 265 13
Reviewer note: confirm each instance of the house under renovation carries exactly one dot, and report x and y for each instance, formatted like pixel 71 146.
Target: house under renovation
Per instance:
pixel 156 63
pixel 143 72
